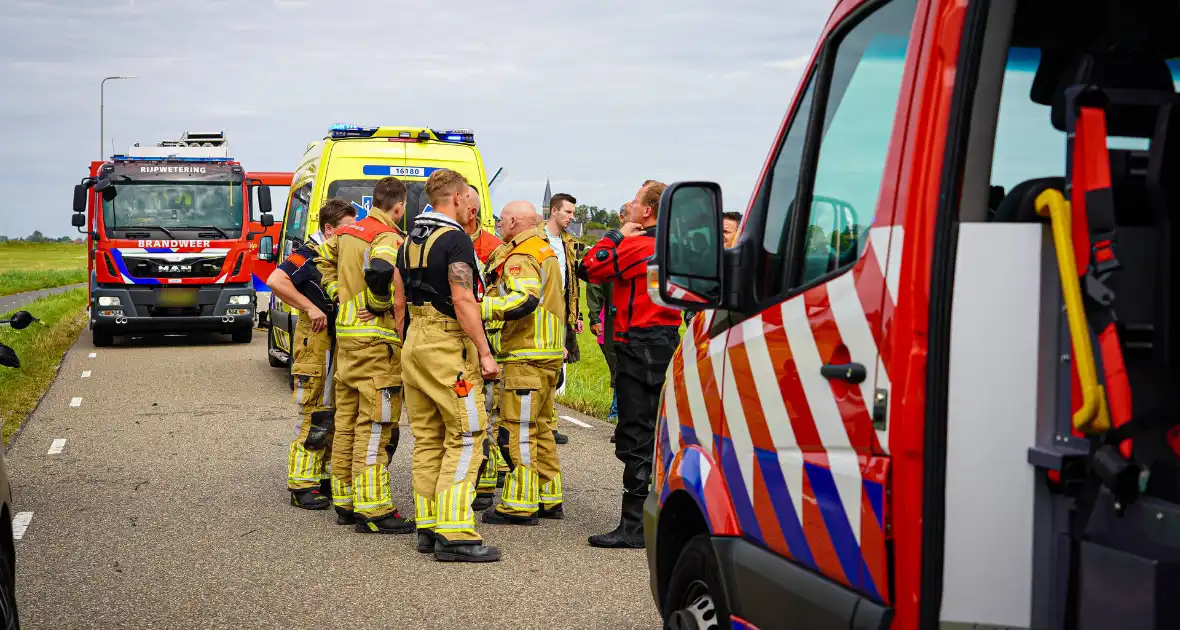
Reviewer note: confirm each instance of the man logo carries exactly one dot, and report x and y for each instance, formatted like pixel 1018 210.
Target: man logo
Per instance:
pixel 174 268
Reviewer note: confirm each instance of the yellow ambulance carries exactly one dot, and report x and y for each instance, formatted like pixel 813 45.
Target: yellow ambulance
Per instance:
pixel 346 164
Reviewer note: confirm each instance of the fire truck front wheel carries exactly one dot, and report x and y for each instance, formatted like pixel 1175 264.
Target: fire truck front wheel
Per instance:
pixel 243 334
pixel 101 338
pixel 695 597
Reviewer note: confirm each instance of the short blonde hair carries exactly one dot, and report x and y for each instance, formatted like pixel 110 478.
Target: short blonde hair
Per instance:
pixel 444 182
pixel 652 190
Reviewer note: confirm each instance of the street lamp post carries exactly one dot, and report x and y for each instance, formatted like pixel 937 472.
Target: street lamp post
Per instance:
pixel 101 117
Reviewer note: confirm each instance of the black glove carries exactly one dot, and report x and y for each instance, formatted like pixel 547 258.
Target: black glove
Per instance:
pixel 379 277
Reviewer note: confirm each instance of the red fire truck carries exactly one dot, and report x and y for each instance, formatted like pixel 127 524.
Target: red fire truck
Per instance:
pixel 168 236
pixel 263 266
pixel 928 387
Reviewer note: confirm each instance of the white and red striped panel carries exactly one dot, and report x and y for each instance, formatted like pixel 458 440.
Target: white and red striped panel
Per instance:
pixel 804 469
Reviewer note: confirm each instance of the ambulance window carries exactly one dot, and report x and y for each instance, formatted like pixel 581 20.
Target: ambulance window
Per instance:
pixel 858 126
pixel 296 219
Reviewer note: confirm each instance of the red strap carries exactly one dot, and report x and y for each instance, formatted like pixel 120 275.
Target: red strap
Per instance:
pixel 366 229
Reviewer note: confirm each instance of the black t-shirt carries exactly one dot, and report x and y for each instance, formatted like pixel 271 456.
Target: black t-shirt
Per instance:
pixel 300 266
pixel 453 246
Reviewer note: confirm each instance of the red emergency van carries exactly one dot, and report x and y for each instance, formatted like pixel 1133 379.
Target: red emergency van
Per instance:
pixel 930 384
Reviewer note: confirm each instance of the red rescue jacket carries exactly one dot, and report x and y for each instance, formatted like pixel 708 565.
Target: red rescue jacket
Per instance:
pixel 623 262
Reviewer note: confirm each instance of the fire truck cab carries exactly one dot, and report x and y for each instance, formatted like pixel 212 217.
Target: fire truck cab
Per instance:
pixel 168 234
pixel 928 386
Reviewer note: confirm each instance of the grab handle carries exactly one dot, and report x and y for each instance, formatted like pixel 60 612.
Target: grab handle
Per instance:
pixel 1092 417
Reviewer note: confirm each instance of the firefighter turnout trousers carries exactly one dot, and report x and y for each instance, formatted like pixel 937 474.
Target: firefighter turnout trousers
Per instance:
pixel 493 462
pixel 445 401
pixel 311 367
pixel 527 406
pixel 368 407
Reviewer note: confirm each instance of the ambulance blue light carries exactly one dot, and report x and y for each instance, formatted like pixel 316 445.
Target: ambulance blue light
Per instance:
pixel 456 135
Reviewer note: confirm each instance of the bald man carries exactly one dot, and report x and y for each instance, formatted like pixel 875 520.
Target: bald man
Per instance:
pixel 484 242
pixel 524 313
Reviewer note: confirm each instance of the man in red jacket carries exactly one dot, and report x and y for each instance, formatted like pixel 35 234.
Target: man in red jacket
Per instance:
pixel 646 336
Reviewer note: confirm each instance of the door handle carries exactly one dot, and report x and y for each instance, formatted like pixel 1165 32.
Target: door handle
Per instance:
pixel 854 373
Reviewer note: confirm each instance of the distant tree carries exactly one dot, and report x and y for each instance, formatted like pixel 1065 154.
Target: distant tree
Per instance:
pixel 3 239
pixel 64 239
pixel 594 225
pixel 36 237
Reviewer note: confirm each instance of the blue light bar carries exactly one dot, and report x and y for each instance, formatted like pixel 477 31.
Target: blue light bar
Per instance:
pixel 341 130
pixel 456 135
pixel 125 158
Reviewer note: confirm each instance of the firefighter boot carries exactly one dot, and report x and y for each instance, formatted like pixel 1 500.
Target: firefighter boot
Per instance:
pixel 629 533
pixel 345 516
pixel 425 541
pixel 493 517
pixel 483 501
pixel 310 499
pixel 560 438
pixel 387 524
pixel 465 552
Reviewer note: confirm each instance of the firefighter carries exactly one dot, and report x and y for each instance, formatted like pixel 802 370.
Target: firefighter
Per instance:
pixel 493 468
pixel 358 271
pixel 524 311
pixel 647 336
pixel 568 249
pixel 484 242
pixel 447 358
pixel 297 282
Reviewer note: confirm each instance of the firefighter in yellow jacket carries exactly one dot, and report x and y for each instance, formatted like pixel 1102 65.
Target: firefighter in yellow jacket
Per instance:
pixel 447 360
pixel 297 281
pixel 357 266
pixel 525 311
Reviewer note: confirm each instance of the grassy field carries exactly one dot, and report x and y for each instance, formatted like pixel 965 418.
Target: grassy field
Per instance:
pixel 587 387
pixel 32 266
pixel 40 348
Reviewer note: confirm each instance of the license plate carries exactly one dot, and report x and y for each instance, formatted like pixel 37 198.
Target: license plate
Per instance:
pixel 177 297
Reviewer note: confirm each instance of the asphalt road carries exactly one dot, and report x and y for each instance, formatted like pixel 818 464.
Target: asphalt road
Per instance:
pixel 167 508
pixel 17 300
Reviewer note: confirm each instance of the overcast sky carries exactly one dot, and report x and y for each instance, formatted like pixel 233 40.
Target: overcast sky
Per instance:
pixel 598 95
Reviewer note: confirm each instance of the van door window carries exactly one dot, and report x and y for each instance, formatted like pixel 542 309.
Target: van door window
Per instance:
pixel 781 188
pixel 858 126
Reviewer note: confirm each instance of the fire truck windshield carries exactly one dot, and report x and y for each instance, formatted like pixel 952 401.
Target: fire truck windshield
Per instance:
pixel 215 207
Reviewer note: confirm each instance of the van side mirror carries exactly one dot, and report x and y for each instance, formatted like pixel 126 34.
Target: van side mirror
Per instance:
pixel 80 194
pixel 266 248
pixel 78 220
pixel 264 201
pixel 686 271
pixel 267 219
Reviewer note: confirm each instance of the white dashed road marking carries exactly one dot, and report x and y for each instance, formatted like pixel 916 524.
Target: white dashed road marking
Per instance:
pixel 93 354
pixel 58 445
pixel 20 523
pixel 76 401
pixel 576 421
pixel 86 374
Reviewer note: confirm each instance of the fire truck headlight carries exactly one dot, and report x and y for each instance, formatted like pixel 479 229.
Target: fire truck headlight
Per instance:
pixel 107 300
pixel 239 299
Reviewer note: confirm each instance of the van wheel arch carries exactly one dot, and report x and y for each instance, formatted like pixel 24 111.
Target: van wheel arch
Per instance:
pixel 680 521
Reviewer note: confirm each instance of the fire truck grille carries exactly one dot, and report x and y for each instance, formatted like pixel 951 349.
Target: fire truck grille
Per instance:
pixel 187 268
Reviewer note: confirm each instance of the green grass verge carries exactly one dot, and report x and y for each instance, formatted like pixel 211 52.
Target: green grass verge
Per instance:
pixel 40 348
pixel 32 266
pixel 20 281
pixel 587 387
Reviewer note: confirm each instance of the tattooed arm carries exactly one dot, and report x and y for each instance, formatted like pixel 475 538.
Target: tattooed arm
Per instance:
pixel 461 277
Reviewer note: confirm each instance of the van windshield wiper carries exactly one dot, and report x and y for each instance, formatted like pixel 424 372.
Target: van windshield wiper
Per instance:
pixel 209 227
pixel 147 227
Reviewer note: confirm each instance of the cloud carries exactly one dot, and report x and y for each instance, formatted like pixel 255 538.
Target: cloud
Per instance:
pixel 636 90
